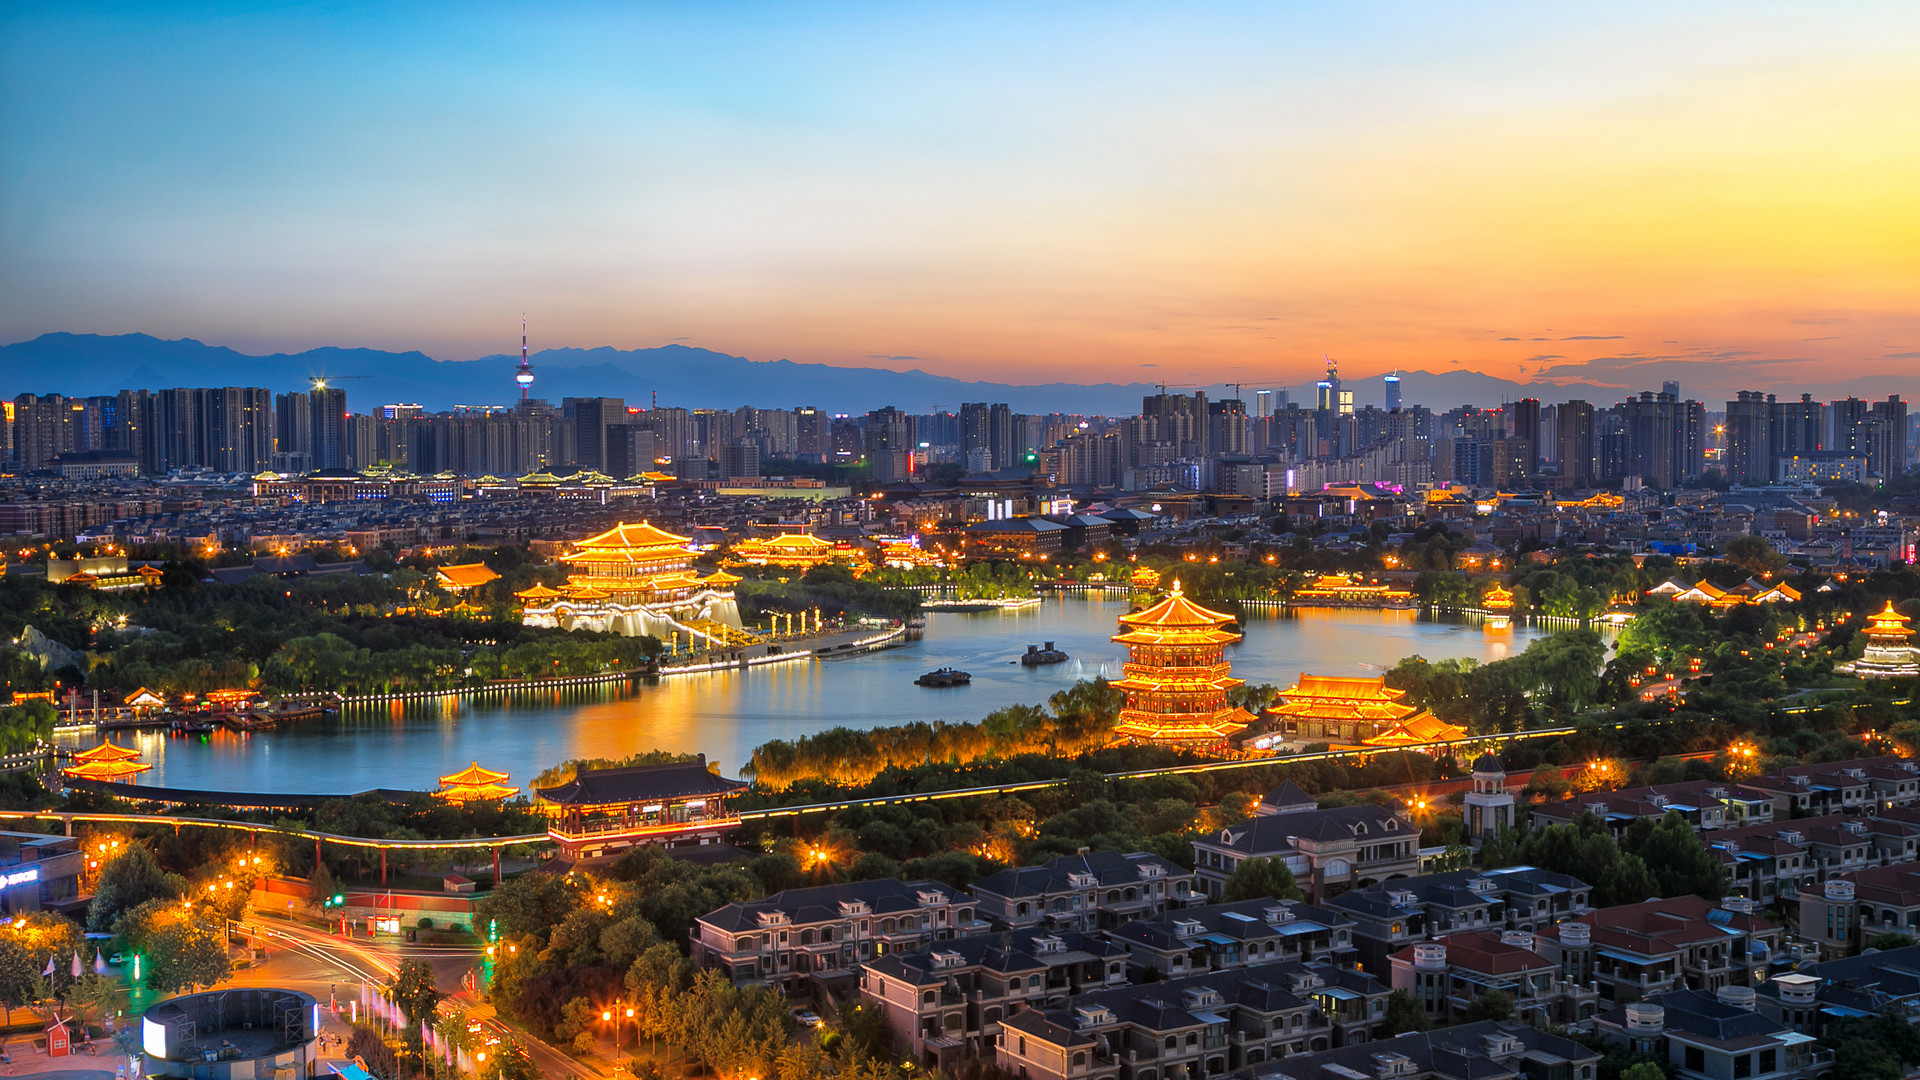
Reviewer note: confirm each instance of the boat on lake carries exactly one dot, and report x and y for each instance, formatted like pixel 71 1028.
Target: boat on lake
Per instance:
pixel 945 676
pixel 1041 655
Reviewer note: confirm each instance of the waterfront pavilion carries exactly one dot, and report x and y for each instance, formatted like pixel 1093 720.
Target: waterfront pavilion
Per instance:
pixel 106 762
pixel 603 811
pixel 1354 710
pixel 475 784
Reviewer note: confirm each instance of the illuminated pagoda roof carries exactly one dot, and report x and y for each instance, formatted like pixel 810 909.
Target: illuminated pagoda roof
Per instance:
pixel 539 479
pixel 658 477
pixel 1888 625
pixel 463 576
pixel 1145 577
pixel 475 784
pixel 582 592
pixel 721 577
pixel 624 536
pixel 539 592
pixel 640 784
pixel 106 770
pixel 472 775
pixel 1176 612
pixel 107 751
pixel 1497 599
pixel 143 698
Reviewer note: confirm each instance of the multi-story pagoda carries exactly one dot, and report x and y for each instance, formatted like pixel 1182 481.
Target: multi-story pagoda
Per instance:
pixel 1176 676
pixel 635 580
pixel 107 761
pixel 1890 652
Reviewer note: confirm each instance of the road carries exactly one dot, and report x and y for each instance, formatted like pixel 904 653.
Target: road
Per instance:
pixel 331 967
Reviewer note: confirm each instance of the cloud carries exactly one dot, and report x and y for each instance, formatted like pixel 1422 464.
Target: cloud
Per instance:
pixel 894 359
pixel 1149 365
pixel 1540 339
pixel 1835 337
pixel 1544 356
pixel 1903 356
pixel 1594 337
pixel 1823 320
pixel 1509 339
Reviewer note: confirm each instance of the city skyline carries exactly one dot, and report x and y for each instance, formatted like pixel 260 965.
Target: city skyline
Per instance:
pixel 1618 198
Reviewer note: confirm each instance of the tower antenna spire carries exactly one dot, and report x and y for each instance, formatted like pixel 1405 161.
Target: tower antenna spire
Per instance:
pixel 524 376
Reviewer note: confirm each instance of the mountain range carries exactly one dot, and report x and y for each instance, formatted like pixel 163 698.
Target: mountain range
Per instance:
pixel 81 365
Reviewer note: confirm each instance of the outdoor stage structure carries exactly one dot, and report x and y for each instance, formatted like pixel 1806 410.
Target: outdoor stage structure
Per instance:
pixel 637 580
pixel 1176 676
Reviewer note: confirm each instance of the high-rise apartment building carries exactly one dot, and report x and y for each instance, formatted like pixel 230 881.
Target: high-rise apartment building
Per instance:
pixel 327 407
pixel 1749 457
pixel 1573 421
pixel 591 417
pixel 1227 426
pixel 1392 383
pixel 1887 438
pixel 810 433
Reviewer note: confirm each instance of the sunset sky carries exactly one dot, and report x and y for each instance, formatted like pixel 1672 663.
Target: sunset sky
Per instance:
pixel 1196 193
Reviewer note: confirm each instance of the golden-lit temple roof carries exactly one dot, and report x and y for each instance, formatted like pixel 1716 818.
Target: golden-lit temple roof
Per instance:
pixel 583 592
pixel 1888 624
pixel 1176 611
pixel 643 535
pixel 1344 697
pixel 1497 598
pixel 538 592
pixel 1181 727
pixel 796 543
pixel 1145 577
pixel 107 751
pixel 144 698
pixel 477 793
pixel 464 576
pixel 106 770
pixel 721 577
pixel 1418 730
pixel 473 774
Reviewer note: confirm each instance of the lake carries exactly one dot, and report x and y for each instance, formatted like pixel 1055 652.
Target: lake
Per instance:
pixel 726 714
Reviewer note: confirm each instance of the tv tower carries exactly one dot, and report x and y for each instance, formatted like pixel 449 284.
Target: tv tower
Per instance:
pixel 524 376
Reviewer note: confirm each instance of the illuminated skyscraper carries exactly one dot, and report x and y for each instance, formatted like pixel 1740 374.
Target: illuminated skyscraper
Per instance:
pixel 1393 391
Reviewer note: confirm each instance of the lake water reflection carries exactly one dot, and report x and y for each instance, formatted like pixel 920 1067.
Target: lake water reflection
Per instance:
pixel 727 714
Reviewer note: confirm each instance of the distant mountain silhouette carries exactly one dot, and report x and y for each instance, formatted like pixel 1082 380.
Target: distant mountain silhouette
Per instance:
pixel 84 364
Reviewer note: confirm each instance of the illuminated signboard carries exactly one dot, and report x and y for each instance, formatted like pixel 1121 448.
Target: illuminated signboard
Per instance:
pixel 19 877
pixel 153 1039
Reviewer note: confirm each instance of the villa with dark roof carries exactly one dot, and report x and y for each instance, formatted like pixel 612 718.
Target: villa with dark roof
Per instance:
pixel 820 935
pixel 1204 1025
pixel 946 1004
pixel 1328 851
pixel 1488 1050
pixel 1214 937
pixel 1704 1035
pixel 1087 891
pixel 1392 915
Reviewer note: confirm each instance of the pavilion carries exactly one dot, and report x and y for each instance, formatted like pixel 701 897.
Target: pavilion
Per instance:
pixel 602 811
pixel 107 761
pixel 475 784
pixel 1890 652
pixel 461 577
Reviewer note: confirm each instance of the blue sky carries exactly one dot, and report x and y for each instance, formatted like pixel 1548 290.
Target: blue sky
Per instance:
pixel 994 191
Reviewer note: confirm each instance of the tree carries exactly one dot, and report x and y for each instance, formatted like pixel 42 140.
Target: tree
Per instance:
pixel 1644 1070
pixel 182 951
pixel 1404 1014
pixel 1490 1005
pixel 414 990
pixel 1889 940
pixel 1756 555
pixel 1674 854
pixel 128 880
pixel 91 996
pixel 1261 877
pixel 510 1061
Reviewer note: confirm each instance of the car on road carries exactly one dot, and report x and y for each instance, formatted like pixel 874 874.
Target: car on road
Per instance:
pixel 807 1019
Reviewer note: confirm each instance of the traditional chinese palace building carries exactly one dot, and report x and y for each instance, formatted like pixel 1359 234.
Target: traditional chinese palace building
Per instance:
pixel 1176 676
pixel 601 811
pixel 636 580
pixel 1890 652
pixel 797 551
pixel 1342 590
pixel 1356 711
